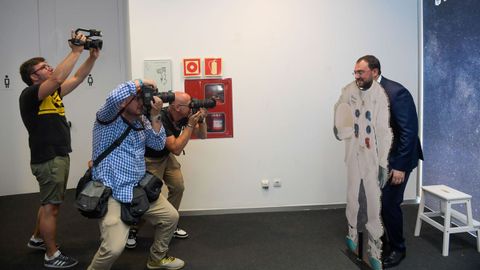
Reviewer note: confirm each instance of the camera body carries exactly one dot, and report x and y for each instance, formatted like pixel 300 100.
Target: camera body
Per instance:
pixel 89 43
pixel 148 93
pixel 196 104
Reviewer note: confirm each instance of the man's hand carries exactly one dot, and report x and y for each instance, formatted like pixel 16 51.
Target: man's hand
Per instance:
pixel 203 114
pixel 397 177
pixel 150 83
pixel 157 105
pixel 197 123
pixel 82 38
pixel 194 118
pixel 94 53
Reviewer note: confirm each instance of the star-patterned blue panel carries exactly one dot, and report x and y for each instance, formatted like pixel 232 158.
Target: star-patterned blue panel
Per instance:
pixel 451 90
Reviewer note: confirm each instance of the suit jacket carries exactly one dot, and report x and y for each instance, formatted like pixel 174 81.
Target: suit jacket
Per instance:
pixel 406 149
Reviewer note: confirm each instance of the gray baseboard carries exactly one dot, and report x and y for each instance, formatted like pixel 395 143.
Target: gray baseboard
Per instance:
pixel 205 212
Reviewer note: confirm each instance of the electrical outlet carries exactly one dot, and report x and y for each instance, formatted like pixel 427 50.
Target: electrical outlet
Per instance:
pixel 277 182
pixel 265 183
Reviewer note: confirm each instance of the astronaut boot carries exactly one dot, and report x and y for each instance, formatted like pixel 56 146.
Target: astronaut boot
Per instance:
pixel 375 253
pixel 352 239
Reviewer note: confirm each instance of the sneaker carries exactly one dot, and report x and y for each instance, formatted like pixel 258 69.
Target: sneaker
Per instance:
pixel 61 261
pixel 167 262
pixel 179 233
pixel 40 245
pixel 132 239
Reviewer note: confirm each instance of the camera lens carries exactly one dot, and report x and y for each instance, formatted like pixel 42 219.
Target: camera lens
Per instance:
pixel 167 97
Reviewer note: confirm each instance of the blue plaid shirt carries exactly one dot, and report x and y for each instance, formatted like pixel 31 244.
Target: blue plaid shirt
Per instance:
pixel 124 167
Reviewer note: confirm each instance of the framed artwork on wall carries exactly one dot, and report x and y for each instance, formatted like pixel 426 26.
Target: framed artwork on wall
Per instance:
pixel 160 71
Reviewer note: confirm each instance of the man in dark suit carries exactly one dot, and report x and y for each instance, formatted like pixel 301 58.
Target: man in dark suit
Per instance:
pixel 402 159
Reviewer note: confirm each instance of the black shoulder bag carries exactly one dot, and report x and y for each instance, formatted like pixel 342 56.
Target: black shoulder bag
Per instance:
pixel 91 197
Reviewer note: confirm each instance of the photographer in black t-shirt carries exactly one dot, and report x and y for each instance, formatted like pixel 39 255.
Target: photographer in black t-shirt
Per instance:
pixel 43 115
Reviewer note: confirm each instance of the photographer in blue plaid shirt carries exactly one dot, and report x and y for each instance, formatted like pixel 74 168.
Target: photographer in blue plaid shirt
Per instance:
pixel 123 168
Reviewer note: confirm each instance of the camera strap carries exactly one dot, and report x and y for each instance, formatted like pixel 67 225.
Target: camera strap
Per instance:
pixel 112 147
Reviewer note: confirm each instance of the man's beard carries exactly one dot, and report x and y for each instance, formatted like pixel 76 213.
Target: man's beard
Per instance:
pixel 365 86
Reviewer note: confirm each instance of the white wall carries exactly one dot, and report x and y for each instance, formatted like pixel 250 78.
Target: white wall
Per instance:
pixel 288 60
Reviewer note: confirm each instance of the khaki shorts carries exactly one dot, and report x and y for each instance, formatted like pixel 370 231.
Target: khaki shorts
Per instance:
pixel 52 177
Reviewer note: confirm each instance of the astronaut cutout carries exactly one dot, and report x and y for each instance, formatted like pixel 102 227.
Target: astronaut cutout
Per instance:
pixel 362 122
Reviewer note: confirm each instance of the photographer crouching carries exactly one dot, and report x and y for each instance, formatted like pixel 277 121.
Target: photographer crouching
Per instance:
pixel 181 119
pixel 123 170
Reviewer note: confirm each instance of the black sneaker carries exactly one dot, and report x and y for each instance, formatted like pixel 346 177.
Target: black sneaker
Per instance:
pixel 61 261
pixel 40 245
pixel 132 239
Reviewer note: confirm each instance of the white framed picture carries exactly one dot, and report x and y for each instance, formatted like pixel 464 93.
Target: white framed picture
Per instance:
pixel 160 71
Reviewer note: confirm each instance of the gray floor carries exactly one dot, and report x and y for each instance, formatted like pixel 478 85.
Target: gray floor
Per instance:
pixel 276 240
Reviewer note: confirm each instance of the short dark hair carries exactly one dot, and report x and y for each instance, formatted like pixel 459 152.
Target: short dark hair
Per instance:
pixel 26 69
pixel 372 61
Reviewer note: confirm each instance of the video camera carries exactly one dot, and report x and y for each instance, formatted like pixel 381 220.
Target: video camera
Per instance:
pixel 202 103
pixel 148 93
pixel 89 43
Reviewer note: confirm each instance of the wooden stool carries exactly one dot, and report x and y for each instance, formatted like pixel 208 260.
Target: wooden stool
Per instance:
pixel 447 197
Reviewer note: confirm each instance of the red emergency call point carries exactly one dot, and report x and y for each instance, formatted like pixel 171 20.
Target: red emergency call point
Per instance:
pixel 213 67
pixel 191 67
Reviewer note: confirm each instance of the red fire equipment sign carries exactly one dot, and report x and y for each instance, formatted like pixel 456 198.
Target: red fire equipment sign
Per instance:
pixel 213 67
pixel 191 67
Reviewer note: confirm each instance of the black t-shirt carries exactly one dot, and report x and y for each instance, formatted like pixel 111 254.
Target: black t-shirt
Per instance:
pixel 170 130
pixel 48 130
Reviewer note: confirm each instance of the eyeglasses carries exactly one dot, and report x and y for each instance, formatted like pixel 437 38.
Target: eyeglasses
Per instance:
pixel 46 66
pixel 184 105
pixel 359 72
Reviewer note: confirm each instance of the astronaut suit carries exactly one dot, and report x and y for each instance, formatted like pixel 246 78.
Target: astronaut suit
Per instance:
pixel 362 122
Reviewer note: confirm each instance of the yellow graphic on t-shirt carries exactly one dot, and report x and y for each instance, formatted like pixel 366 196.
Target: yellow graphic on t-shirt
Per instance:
pixel 52 105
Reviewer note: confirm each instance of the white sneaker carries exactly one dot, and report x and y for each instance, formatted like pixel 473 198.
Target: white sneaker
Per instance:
pixel 167 262
pixel 179 233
